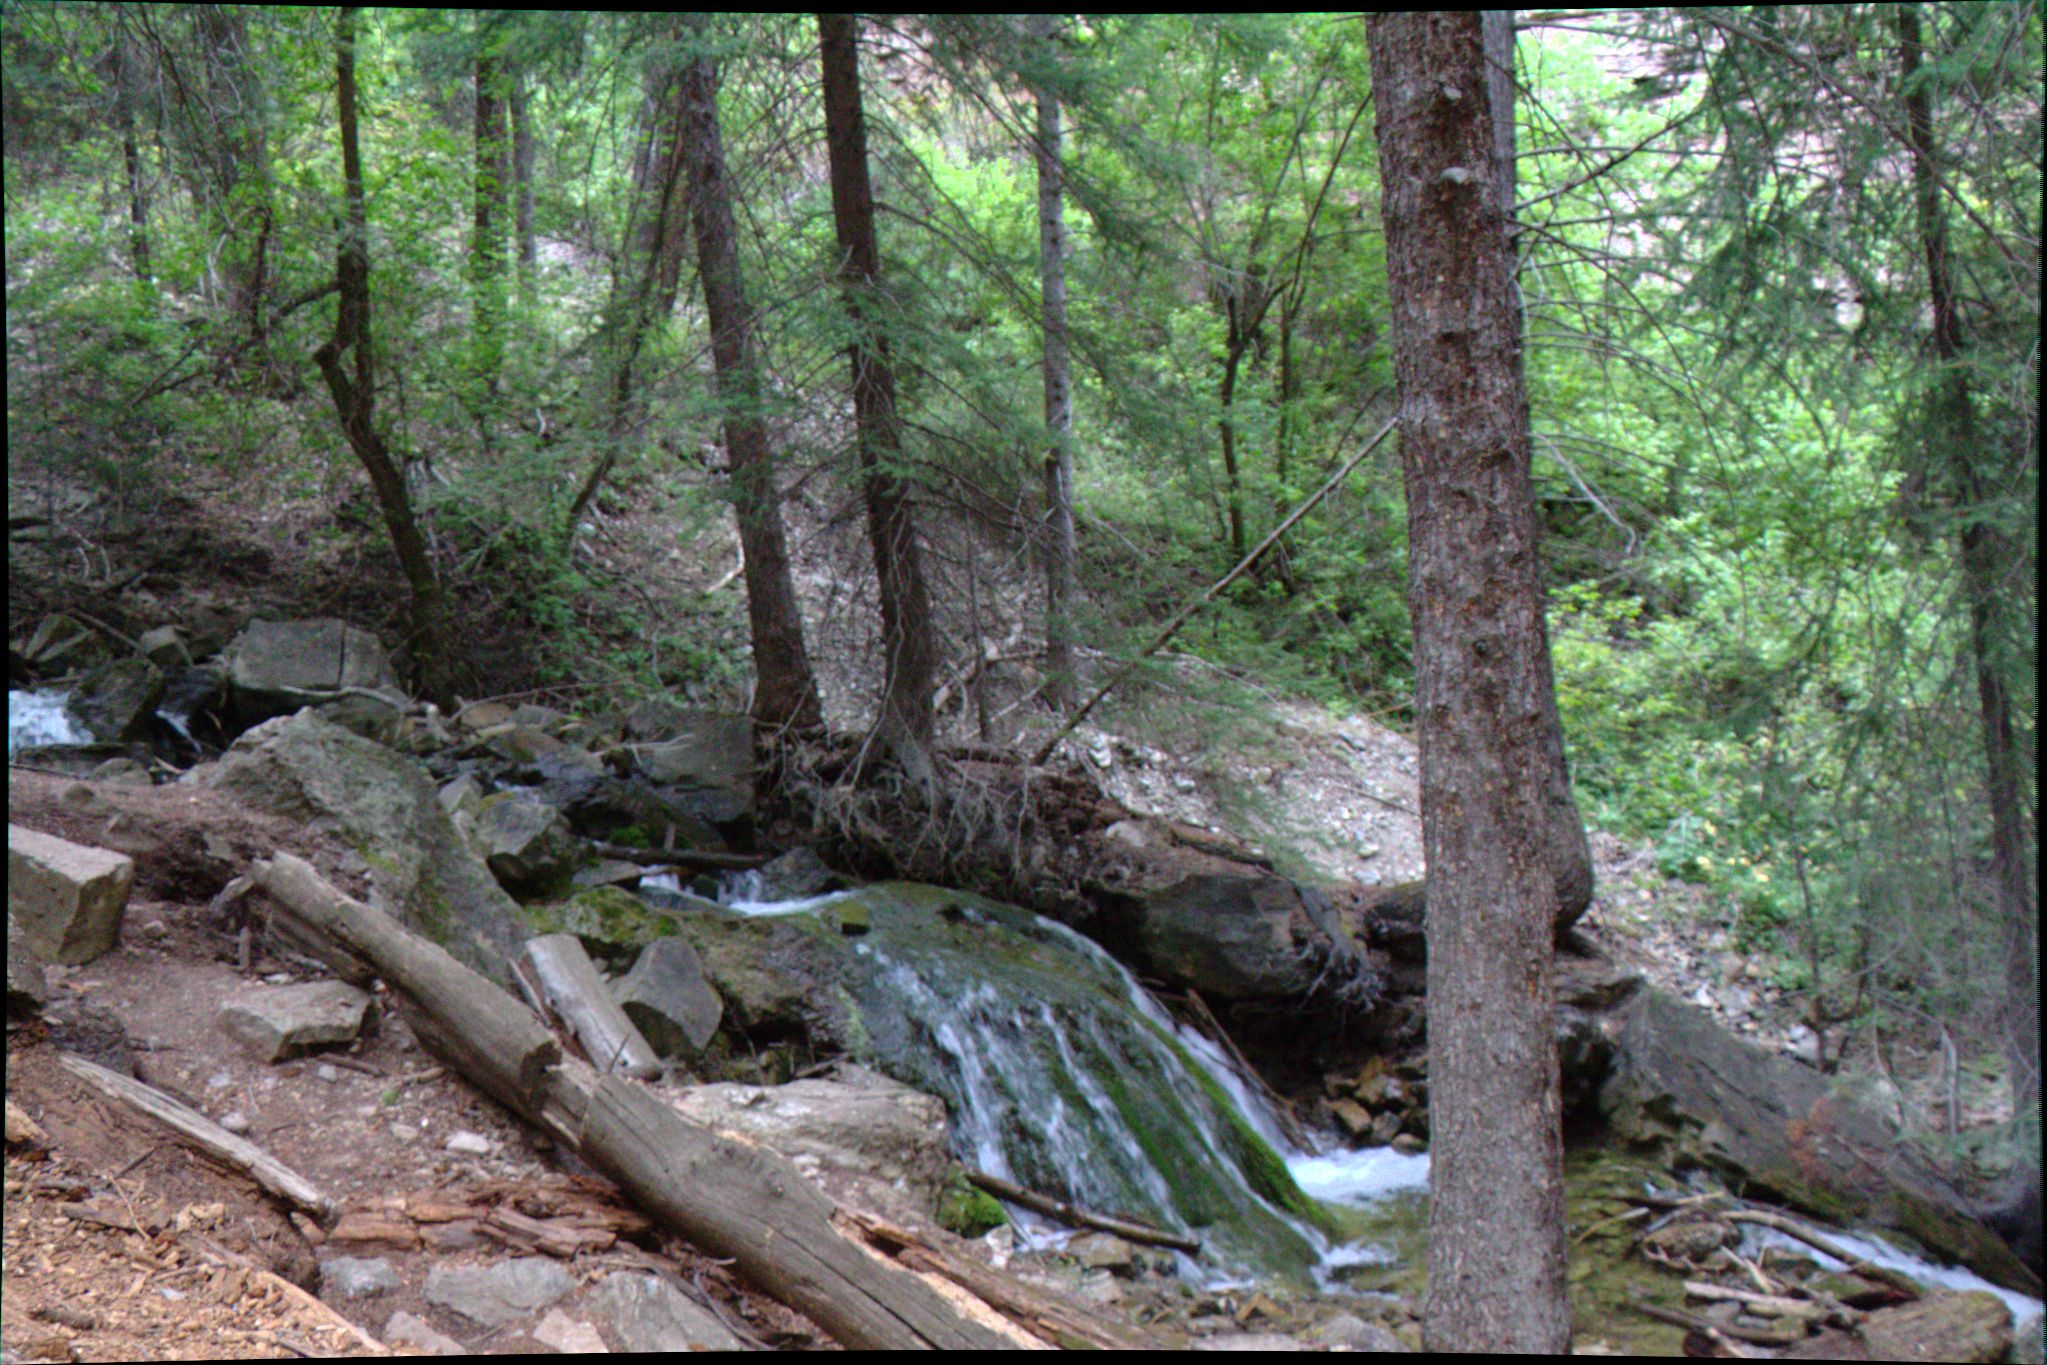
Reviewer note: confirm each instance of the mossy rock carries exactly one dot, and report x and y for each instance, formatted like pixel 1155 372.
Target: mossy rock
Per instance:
pixel 968 1211
pixel 613 925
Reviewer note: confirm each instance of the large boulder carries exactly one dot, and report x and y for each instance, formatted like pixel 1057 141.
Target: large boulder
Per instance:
pixel 384 806
pixel 527 845
pixel 1235 938
pixel 116 700
pixel 702 760
pixel 276 667
pixel 66 899
pixel 1683 1085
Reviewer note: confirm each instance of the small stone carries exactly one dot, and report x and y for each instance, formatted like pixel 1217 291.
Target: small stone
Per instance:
pixel 466 1143
pixel 497 1294
pixel 235 1121
pixel 329 1074
pixel 357 1278
pixel 404 1132
pixel 219 1080
pixel 409 1330
pixel 569 1336
pixel 279 978
pixel 1407 1144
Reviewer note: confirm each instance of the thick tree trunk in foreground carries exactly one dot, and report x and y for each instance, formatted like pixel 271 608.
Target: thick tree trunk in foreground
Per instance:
pixel 909 646
pixel 731 1198
pixel 355 400
pixel 1986 556
pixel 1057 536
pixel 785 692
pixel 1496 1217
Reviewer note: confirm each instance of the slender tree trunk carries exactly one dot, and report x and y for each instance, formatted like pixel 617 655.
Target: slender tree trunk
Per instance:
pixel 235 126
pixel 487 238
pixel 522 178
pixel 131 156
pixel 785 692
pixel 1496 1214
pixel 1226 427
pixel 1570 851
pixel 355 398
pixel 1058 538
pixel 1985 554
pixel 909 645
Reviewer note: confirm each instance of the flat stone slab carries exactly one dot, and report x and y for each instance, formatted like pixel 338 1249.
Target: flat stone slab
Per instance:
pixel 275 1022
pixel 495 1295
pixel 646 1314
pixel 66 898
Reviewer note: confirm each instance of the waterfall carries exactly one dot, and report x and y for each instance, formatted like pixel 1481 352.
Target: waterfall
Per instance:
pixel 38 718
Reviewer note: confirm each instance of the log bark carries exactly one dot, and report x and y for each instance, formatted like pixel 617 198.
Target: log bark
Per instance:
pixel 568 985
pixel 208 1136
pixel 731 1199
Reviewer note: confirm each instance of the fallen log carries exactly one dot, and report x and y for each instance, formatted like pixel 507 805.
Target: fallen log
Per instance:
pixel 1073 1215
pixel 208 1136
pixel 567 984
pixel 731 1199
pixel 1048 1317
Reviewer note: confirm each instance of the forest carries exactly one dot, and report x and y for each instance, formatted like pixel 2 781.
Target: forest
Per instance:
pixel 1045 438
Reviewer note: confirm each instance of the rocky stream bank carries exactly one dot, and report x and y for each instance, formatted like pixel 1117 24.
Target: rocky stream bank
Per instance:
pixel 692 926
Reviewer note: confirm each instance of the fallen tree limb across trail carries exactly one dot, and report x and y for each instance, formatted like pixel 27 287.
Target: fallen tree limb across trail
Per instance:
pixel 729 1198
pixel 1073 1215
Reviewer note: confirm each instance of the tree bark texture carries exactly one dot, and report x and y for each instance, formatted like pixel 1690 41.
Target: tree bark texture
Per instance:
pixel 1058 537
pixel 1986 554
pixel 355 399
pixel 1570 851
pixel 1496 1217
pixel 232 130
pixel 785 691
pixel 909 644
pixel 523 150
pixel 131 155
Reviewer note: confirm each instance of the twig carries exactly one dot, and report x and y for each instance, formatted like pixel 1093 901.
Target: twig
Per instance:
pixel 1856 1265
pixel 1129 1229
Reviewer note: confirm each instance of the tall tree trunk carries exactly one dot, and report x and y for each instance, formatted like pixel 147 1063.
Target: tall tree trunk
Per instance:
pixel 522 178
pixel 1570 851
pixel 131 155
pixel 236 129
pixel 909 644
pixel 487 237
pixel 1985 554
pixel 785 692
pixel 1496 1214
pixel 355 399
pixel 1057 538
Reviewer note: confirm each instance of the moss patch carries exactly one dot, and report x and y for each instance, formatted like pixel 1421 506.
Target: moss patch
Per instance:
pixel 968 1211
pixel 612 924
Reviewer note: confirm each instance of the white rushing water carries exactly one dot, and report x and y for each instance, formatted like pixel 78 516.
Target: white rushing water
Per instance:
pixel 37 718
pixel 1876 1251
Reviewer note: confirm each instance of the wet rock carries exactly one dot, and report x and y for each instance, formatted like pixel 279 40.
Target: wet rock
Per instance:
pixel 1973 1326
pixel 409 1329
pixel 275 1022
pixel 495 1295
pixel 864 1136
pixel 647 1314
pixel 116 700
pixel 668 999
pixel 1231 937
pixel 66 899
pixel 526 845
pixel 1682 1084
pixel 707 753
pixel 356 1278
pixel 1354 1118
pixel 796 875
pixel 26 988
pixel 377 716
pixel 62 644
pixel 383 805
pixel 276 667
pixel 166 648
pixel 1690 1239
pixel 1101 1251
